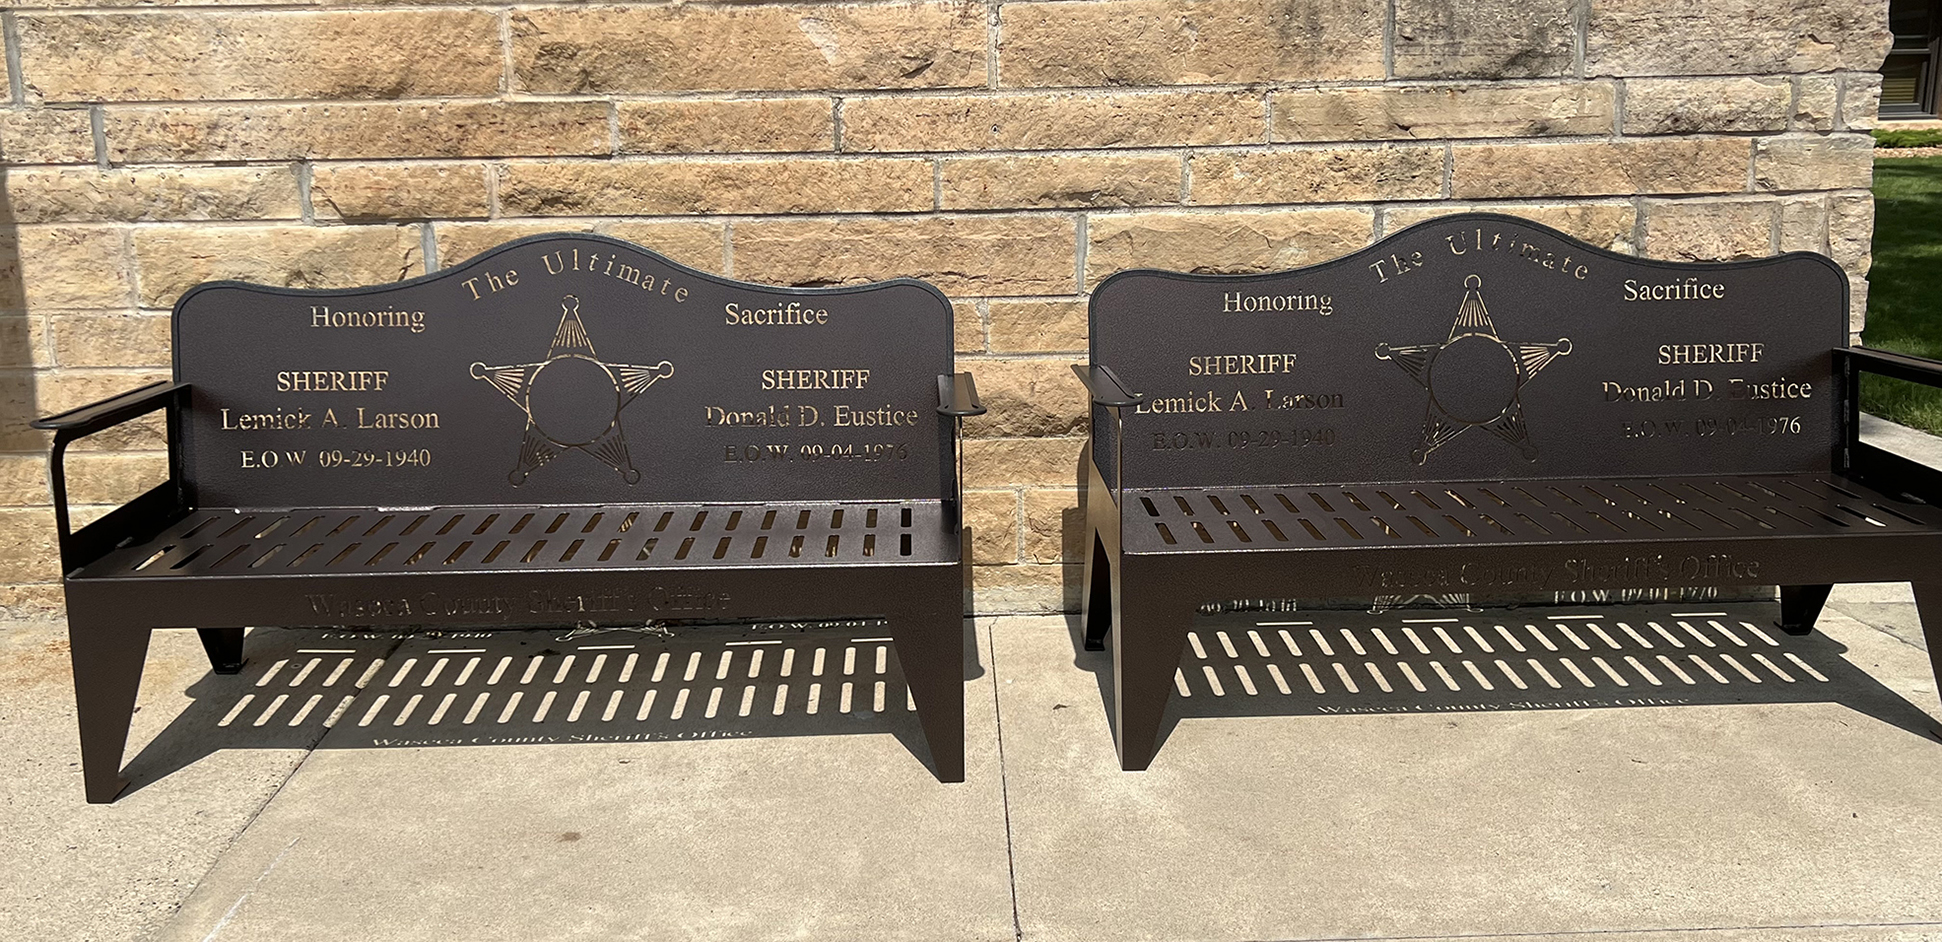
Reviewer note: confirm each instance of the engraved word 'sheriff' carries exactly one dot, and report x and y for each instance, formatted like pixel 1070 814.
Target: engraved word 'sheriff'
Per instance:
pixel 1474 378
pixel 572 399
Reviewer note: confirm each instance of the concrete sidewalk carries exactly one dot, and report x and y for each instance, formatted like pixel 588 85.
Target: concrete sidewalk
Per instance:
pixel 1656 772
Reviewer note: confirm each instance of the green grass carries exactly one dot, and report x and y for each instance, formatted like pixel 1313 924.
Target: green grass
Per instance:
pixel 1923 137
pixel 1905 286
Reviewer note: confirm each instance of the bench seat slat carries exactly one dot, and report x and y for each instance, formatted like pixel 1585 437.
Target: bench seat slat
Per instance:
pixel 313 541
pixel 1303 517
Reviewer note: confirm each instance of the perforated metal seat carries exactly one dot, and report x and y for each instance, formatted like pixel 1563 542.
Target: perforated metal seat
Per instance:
pixel 1711 507
pixel 507 539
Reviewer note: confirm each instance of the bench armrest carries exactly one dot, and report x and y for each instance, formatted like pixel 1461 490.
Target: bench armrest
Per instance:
pixel 1872 464
pixel 957 395
pixel 111 411
pixel 161 504
pixel 1897 365
pixel 1106 387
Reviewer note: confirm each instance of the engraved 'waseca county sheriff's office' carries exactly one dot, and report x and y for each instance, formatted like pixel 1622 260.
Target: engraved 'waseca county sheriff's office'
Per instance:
pixel 572 399
pixel 1474 378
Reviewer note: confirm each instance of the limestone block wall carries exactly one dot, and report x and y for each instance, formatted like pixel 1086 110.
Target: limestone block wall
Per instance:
pixel 1012 152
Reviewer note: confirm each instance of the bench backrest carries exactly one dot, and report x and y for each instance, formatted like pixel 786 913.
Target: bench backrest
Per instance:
pixel 563 369
pixel 1472 347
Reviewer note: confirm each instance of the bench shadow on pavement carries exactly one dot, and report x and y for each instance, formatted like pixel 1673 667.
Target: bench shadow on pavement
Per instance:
pixel 1323 663
pixel 312 689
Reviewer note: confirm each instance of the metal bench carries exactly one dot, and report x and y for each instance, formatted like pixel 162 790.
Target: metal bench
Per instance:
pixel 1480 404
pixel 567 430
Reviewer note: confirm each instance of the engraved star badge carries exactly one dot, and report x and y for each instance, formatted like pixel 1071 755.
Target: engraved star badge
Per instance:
pixel 572 399
pixel 1474 379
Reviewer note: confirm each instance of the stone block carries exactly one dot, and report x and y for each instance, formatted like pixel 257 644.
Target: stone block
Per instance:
pixel 1734 37
pixel 575 50
pixel 1055 527
pixel 1706 104
pixel 111 340
pixel 1029 398
pixel 23 341
pixel 68 267
pixel 23 481
pixel 1817 102
pixel 1332 175
pixel 1831 162
pixel 1490 39
pixel 745 126
pixel 1018 182
pixel 1857 303
pixel 1600 168
pixel 45 603
pixel 1433 112
pixel 1093 43
pixel 695 244
pixel 57 391
pixel 34 555
pixel 113 477
pixel 1803 223
pixel 89 194
pixel 172 259
pixel 655 187
pixel 1709 230
pixel 1223 243
pixel 167 56
pixel 967 327
pixel 1045 120
pixel 962 255
pixel 1051 325
pixel 1860 100
pixel 394 191
pixel 993 516
pixel 1606 225
pixel 46 136
pixel 1026 589
pixel 1851 230
pixel 1023 462
pixel 357 131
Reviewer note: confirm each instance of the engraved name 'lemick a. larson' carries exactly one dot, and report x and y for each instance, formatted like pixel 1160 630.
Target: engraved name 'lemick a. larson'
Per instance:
pixel 292 419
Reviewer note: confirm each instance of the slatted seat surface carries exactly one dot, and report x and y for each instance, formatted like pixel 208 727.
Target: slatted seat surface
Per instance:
pixel 1243 519
pixel 369 541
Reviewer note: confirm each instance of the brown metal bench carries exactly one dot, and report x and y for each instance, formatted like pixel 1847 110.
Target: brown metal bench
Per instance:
pixel 1480 404
pixel 566 430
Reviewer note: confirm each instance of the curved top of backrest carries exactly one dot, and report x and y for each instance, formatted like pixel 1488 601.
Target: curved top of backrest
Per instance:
pixel 1470 347
pixel 562 369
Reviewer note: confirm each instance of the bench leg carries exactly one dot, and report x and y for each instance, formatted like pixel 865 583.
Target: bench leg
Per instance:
pixel 1928 605
pixel 1150 631
pixel 1096 606
pixel 107 674
pixel 1800 606
pixel 225 648
pixel 930 647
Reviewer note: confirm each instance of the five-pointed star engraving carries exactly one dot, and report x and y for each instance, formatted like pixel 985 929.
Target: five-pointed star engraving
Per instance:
pixel 572 399
pixel 1474 378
